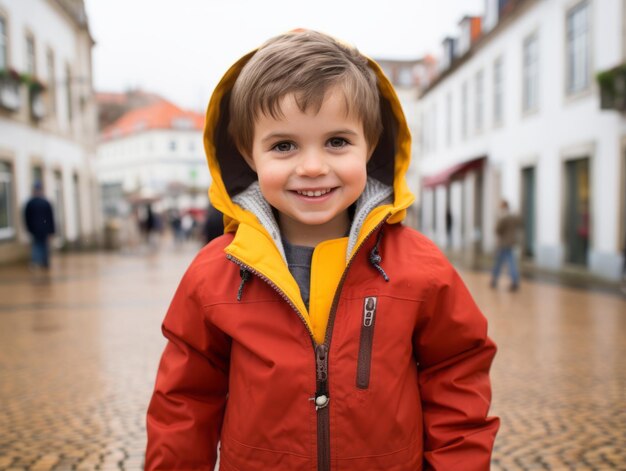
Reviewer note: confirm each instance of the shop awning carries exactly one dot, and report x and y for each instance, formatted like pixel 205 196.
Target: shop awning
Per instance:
pixel 454 172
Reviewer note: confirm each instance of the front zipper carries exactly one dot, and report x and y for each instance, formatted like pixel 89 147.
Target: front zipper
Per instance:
pixel 322 396
pixel 323 414
pixel 364 361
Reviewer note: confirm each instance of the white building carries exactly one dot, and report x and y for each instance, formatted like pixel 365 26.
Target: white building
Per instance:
pixel 518 117
pixel 154 153
pixel 47 120
pixel 409 77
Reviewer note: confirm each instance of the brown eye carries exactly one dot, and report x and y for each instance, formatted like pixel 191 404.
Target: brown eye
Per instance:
pixel 337 142
pixel 284 147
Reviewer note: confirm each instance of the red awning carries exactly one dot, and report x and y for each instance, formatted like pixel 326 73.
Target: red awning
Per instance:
pixel 452 173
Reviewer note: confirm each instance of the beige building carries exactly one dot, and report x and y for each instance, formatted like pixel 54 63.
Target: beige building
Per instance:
pixel 48 121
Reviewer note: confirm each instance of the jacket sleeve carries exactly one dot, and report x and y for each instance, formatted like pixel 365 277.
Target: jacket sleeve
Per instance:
pixel 454 355
pixel 187 407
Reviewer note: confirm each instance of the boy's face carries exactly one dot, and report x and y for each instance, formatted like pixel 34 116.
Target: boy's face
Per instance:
pixel 311 166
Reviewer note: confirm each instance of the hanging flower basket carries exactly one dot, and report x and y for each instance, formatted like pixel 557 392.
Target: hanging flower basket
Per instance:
pixel 9 89
pixel 33 84
pixel 612 84
pixel 35 95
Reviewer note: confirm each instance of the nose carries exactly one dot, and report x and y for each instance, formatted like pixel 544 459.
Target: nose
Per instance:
pixel 312 164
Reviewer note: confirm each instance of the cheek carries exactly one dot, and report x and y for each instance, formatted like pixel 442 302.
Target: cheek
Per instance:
pixel 362 180
pixel 271 177
pixel 356 173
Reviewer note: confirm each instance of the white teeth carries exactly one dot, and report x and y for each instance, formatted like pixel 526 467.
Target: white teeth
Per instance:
pixel 313 192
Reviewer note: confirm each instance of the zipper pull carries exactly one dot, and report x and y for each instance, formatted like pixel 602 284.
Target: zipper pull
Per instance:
pixel 321 353
pixel 369 311
pixel 321 361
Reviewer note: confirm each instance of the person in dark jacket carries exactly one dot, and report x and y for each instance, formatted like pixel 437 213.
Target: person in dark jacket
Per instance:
pixel 39 220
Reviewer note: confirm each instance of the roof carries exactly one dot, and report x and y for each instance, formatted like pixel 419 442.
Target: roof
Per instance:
pixel 160 115
pixel 75 10
pixel 512 10
pixel 128 98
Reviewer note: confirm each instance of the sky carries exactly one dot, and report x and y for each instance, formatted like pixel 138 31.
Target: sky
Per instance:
pixel 180 48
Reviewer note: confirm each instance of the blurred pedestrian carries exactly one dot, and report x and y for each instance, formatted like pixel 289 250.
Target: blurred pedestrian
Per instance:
pixel 39 221
pixel 176 226
pixel 151 225
pixel 507 229
pixel 448 227
pixel 213 224
pixel 187 225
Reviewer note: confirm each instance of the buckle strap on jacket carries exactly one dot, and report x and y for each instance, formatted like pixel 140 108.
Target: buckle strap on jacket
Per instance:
pixel 375 257
pixel 245 276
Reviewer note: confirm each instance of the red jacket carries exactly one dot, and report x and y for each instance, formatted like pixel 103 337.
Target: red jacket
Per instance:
pixel 407 391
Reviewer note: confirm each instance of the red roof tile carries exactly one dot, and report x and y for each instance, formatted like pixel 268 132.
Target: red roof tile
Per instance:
pixel 161 115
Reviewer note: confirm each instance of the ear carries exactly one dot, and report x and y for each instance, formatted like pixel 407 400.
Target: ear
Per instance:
pixel 370 153
pixel 371 148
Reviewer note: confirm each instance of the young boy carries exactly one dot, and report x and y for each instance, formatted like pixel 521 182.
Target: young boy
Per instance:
pixel 318 333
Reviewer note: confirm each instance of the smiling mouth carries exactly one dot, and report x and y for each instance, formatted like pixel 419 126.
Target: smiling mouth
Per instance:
pixel 314 193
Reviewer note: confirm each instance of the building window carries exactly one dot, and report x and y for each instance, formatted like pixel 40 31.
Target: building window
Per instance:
pixel 498 91
pixel 464 110
pixel 530 92
pixel 449 119
pixel 578 39
pixel 479 105
pixel 7 223
pixel 68 92
pixel 52 96
pixel 30 55
pixel 4 46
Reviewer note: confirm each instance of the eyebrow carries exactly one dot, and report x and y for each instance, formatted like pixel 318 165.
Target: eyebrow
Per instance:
pixel 279 135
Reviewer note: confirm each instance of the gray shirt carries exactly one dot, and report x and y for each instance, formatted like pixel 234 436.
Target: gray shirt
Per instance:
pixel 299 262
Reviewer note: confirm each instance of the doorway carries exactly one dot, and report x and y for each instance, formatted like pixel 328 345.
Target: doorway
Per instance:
pixel 577 217
pixel 77 208
pixel 529 191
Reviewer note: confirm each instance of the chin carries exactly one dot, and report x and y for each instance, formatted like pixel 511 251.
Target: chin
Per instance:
pixel 315 221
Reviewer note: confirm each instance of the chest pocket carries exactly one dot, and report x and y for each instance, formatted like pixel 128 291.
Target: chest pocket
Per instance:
pixel 364 362
pixel 381 335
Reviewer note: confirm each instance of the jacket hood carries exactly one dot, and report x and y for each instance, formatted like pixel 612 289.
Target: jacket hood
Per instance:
pixel 257 245
pixel 231 175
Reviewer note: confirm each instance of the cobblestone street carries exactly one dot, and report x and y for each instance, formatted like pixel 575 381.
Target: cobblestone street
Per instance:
pixel 79 349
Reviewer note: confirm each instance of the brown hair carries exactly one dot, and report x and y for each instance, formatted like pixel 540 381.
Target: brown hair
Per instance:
pixel 307 64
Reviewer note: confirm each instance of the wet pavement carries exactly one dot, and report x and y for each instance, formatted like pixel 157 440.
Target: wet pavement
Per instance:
pixel 79 349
